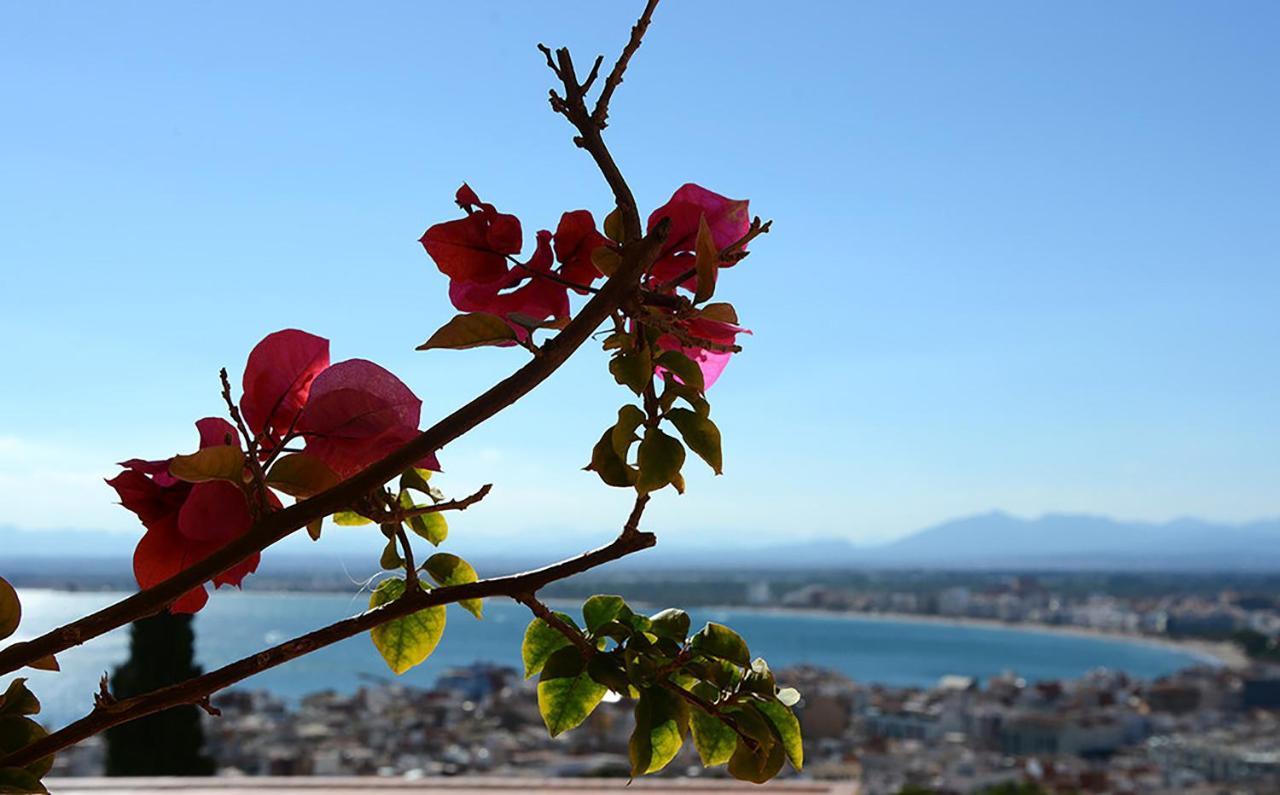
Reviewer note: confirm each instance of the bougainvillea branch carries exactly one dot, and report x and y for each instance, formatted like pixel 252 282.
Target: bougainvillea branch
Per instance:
pixel 333 436
pixel 280 524
pixel 108 714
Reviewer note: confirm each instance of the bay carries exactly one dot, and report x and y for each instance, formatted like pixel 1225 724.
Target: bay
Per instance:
pixel 867 649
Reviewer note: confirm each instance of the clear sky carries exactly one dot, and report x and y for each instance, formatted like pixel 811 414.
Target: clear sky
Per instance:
pixel 1026 255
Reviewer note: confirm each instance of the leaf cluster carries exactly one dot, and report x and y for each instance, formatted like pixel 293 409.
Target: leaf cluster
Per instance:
pixel 703 686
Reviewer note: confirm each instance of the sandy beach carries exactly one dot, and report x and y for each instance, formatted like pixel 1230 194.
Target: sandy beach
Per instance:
pixel 1215 652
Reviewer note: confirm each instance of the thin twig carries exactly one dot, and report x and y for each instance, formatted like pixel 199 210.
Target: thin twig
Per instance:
pixel 601 113
pixel 711 709
pixel 448 505
pixel 572 633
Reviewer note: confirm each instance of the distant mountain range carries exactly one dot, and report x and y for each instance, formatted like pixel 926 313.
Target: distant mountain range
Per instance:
pixel 989 541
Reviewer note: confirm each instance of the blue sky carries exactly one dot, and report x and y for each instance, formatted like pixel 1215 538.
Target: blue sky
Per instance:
pixel 1026 256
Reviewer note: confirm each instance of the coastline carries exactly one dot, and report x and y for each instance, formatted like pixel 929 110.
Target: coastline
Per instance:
pixel 1223 653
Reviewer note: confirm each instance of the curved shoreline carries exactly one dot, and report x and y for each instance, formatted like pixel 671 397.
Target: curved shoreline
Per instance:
pixel 1221 653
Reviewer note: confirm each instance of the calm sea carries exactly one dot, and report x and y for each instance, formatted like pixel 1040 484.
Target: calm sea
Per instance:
pixel 235 624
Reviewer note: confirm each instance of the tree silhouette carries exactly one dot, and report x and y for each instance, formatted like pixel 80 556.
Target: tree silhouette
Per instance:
pixel 168 743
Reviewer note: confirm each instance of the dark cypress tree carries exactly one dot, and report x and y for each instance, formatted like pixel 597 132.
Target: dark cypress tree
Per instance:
pixel 169 743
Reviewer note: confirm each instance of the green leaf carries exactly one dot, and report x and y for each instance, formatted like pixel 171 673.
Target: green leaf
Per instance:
pixel 605 462
pixel 788 728
pixel 220 462
pixel 417 479
pixel 350 519
pixel 405 642
pixel 541 640
pixel 566 692
pixel 713 738
pixel 301 475
pixel 18 780
pixel 687 369
pixel 613 228
pixel 391 556
pixel 660 459
pixel 617 340
pixel 17 731
pixel 724 313
pixel 608 671
pixel 701 434
pixel 447 569
pixel 763 762
pixel 601 609
pixel 605 259
pixel 662 721
pixel 789 696
pixel 706 262
pixel 717 640
pixel 18 700
pixel 431 526
pixel 471 330
pixel 624 430
pixel 633 369
pixel 10 609
pixel 670 623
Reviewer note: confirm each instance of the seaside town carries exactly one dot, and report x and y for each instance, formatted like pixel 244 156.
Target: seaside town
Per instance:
pixel 1222 615
pixel 1203 730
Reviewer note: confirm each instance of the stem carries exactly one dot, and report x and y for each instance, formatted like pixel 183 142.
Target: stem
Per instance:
pixel 268 530
pixel 194 690
pixel 555 622
pixel 601 114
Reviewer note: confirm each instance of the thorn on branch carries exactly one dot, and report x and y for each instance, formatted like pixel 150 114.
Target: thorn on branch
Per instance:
pixel 207 705
pixel 103 697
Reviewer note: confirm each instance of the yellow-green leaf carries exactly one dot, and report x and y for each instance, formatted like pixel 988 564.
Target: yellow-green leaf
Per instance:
pixel 18 700
pixel 725 313
pixel 660 458
pixel 633 369
pixel 10 609
pixel 301 475
pixel 447 569
pixel 662 721
pixel 350 519
pixel 687 369
pixel 706 262
pixel 713 738
pixel 788 728
pixel 471 330
pixel 541 640
pixel 567 694
pixel 606 463
pixel 717 640
pixel 605 259
pixel 763 762
pixel 17 731
pixel 221 462
pixel 405 642
pixel 18 780
pixel 701 434
pixel 613 226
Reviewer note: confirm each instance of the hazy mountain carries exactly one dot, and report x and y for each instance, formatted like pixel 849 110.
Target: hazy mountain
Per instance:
pixel 991 541
pixel 1075 541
